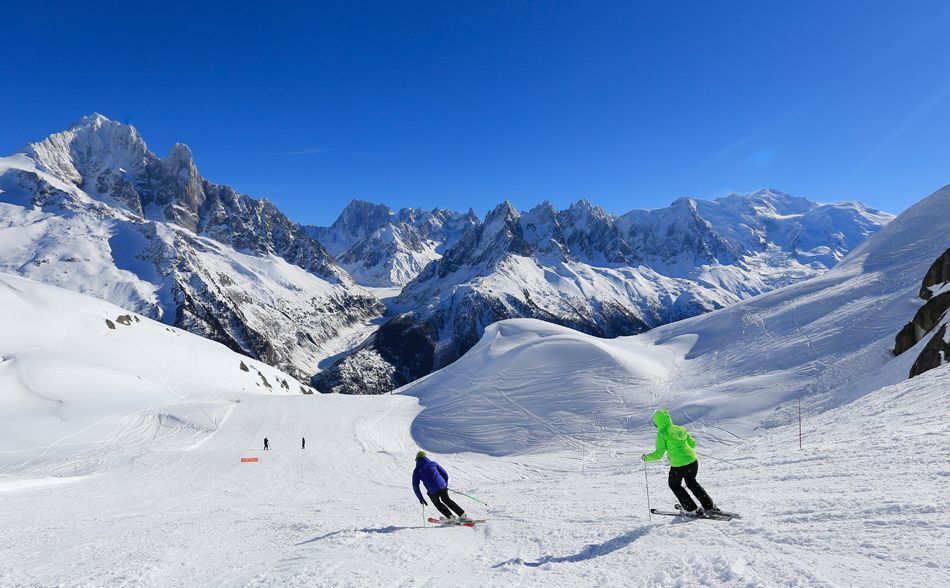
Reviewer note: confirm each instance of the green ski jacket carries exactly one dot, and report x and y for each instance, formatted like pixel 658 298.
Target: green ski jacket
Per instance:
pixel 671 439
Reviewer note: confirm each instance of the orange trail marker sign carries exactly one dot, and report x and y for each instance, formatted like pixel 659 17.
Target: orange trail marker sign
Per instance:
pixel 249 460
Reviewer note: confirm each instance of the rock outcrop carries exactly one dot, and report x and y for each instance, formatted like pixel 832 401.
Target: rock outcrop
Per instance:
pixel 930 320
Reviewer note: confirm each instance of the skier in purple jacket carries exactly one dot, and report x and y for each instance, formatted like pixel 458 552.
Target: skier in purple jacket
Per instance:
pixel 436 481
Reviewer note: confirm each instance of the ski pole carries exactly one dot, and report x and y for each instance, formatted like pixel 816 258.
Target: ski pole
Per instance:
pixel 646 479
pixel 467 496
pixel 424 516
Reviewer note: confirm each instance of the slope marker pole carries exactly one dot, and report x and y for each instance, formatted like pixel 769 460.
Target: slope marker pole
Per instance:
pixel 799 422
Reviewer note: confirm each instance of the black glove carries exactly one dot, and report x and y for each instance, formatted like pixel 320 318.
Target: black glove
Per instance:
pixel 423 502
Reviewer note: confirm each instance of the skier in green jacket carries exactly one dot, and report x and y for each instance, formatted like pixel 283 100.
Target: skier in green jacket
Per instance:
pixel 677 443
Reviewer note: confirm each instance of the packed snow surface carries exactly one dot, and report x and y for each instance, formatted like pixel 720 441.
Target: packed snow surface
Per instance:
pixel 543 424
pixel 859 505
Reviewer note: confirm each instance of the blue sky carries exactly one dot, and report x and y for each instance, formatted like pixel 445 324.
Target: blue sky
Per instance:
pixel 629 104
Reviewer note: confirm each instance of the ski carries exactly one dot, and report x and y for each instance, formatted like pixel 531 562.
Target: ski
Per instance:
pixel 441 523
pixel 719 516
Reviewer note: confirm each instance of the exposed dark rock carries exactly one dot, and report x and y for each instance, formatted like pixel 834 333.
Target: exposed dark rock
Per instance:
pixel 939 273
pixel 927 317
pixel 934 354
pixel 931 319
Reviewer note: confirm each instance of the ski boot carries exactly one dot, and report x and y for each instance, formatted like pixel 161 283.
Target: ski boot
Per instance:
pixel 698 512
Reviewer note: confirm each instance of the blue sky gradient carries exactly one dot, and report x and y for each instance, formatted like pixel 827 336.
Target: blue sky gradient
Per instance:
pixel 629 104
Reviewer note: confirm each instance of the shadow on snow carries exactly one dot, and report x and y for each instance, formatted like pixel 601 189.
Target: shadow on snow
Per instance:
pixel 594 550
pixel 389 529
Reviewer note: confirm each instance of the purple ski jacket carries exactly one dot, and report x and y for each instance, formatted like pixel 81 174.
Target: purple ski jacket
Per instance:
pixel 432 476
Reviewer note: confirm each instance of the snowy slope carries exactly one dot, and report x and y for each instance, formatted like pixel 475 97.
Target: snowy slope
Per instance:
pixel 92 210
pixel 80 376
pixel 827 340
pixel 341 512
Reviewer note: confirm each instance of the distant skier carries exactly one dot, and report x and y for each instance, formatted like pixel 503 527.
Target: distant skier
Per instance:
pixel 436 481
pixel 676 441
pixel 266 444
pixel 303 442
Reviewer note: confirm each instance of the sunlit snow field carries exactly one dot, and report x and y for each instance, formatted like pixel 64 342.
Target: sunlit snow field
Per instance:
pixel 120 459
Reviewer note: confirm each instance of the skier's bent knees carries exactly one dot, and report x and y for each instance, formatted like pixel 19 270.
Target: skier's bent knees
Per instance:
pixel 444 504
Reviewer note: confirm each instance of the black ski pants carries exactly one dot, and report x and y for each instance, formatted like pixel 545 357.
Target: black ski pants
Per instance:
pixel 441 501
pixel 687 473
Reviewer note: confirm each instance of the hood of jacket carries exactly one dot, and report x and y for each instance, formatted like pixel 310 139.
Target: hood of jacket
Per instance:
pixel 661 419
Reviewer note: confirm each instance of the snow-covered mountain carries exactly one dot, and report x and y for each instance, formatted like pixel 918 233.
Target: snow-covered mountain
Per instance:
pixel 826 341
pixel 931 320
pixel 600 274
pixel 383 248
pixel 93 210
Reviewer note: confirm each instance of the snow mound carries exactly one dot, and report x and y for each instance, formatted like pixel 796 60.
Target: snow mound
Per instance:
pixel 529 385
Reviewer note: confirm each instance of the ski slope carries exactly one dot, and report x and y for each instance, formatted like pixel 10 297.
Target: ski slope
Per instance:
pixel 120 462
pixel 857 506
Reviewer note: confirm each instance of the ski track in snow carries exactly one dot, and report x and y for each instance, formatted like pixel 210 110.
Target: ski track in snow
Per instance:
pixel 857 506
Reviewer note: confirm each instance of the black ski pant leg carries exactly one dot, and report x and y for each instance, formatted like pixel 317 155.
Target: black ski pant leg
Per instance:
pixel 676 485
pixel 698 491
pixel 451 503
pixel 443 502
pixel 437 503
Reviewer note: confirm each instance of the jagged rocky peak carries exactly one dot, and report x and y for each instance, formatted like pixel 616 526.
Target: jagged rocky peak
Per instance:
pixel 360 214
pixel 503 211
pixel 180 157
pixel 499 234
pixel 104 158
pixel 541 228
pixel 358 220
pixel 584 209
pixel 543 217
pixel 176 188
pixel 226 266
pixel 382 248
pixel 110 161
